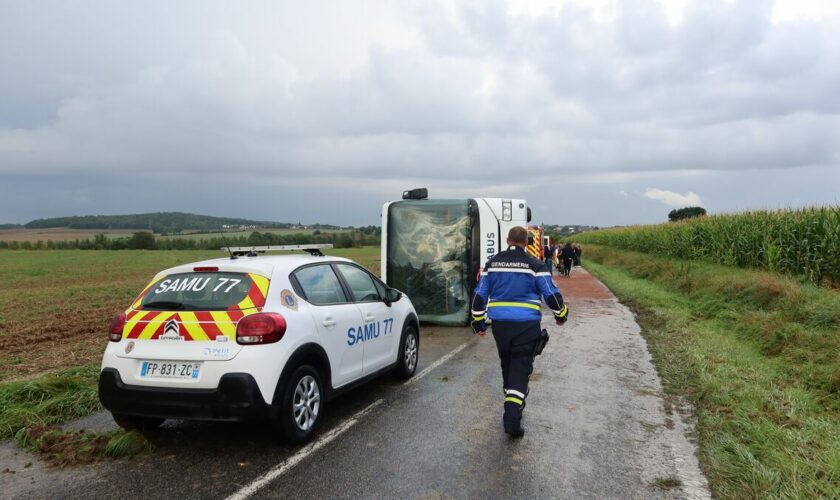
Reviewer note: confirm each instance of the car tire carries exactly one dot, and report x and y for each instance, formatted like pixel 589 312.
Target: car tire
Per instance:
pixel 409 354
pixel 135 423
pixel 302 405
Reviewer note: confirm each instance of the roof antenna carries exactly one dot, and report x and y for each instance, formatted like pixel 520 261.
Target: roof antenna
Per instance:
pixel 232 256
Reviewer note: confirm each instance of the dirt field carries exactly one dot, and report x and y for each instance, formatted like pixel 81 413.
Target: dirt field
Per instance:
pixel 59 234
pixel 56 305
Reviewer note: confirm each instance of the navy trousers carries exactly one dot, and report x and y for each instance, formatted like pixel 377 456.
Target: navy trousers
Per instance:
pixel 517 343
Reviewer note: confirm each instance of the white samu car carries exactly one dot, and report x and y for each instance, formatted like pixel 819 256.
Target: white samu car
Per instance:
pixel 254 338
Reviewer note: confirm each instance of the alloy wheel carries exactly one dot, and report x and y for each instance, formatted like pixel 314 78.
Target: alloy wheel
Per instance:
pixel 306 403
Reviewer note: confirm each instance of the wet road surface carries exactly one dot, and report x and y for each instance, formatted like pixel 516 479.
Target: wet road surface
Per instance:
pixel 596 423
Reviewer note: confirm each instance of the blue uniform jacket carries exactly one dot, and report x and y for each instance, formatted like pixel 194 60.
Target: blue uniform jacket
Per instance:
pixel 511 286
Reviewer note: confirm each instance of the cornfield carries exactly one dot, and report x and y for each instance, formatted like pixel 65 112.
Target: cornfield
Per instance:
pixel 804 242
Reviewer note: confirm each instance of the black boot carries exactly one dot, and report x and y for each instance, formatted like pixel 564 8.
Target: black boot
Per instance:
pixel 513 426
pixel 514 431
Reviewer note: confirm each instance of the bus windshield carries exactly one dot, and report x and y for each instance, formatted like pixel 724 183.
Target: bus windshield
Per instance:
pixel 428 257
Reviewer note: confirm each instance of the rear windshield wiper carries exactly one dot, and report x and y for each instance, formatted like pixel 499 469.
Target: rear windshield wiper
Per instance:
pixel 164 304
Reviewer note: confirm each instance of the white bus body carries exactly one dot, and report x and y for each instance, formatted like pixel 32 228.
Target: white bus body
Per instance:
pixel 433 249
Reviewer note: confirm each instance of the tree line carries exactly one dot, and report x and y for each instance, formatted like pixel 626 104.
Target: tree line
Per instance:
pixel 158 222
pixel 142 240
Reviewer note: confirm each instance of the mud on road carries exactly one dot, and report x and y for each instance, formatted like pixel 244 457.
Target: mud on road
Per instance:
pixel 597 425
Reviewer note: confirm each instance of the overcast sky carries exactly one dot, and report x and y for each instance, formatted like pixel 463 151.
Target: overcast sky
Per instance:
pixel 601 112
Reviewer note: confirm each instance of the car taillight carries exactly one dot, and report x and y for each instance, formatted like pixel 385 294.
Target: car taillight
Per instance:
pixel 116 330
pixel 260 328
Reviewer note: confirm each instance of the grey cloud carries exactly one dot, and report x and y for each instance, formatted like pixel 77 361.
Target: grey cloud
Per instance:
pixel 285 94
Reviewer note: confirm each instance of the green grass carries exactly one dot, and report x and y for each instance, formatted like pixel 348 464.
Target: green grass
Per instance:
pixel 44 401
pixel 803 242
pixel 122 444
pixel 757 354
pixel 368 257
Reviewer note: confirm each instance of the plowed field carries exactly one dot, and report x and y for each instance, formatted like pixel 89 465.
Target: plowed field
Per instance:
pixel 56 305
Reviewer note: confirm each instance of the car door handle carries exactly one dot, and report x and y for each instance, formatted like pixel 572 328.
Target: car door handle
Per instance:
pixel 328 321
pixel 369 318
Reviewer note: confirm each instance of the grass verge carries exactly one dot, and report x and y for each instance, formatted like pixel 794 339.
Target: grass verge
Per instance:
pixel 29 408
pixel 759 357
pixel 68 394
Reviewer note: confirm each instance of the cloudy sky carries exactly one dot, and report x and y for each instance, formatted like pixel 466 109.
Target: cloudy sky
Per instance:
pixel 600 112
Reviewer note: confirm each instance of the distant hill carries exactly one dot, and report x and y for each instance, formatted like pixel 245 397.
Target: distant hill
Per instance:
pixel 159 222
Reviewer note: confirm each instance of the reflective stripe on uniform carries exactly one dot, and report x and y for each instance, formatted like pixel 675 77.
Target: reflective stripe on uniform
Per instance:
pixel 479 318
pixel 510 270
pixel 514 304
pixel 514 399
pixel 512 392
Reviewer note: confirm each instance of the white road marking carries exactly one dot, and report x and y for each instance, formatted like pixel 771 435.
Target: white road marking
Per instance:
pixel 304 452
pixel 330 436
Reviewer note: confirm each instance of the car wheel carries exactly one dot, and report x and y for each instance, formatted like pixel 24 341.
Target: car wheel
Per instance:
pixel 409 353
pixel 302 405
pixel 135 423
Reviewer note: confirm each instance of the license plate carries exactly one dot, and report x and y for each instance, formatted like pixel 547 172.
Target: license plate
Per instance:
pixel 170 369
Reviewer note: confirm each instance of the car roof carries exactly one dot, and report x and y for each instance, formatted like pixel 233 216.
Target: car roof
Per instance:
pixel 264 265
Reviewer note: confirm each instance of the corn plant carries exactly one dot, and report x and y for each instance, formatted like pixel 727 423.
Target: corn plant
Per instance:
pixel 804 242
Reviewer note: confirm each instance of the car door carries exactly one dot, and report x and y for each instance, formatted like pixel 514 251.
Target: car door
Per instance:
pixel 378 333
pixel 336 317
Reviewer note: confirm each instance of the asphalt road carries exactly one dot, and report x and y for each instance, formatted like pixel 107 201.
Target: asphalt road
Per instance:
pixel 597 426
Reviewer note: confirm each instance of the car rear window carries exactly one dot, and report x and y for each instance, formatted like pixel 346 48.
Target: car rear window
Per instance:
pixel 214 291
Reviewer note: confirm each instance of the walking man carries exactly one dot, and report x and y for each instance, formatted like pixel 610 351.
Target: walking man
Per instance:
pixel 568 255
pixel 509 293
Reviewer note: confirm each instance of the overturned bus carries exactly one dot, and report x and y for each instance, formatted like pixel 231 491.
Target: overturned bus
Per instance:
pixel 433 250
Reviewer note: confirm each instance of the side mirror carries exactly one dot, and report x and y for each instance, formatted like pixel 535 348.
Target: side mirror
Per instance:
pixel 392 295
